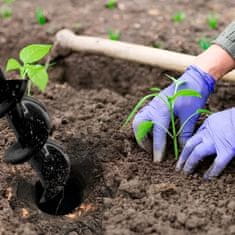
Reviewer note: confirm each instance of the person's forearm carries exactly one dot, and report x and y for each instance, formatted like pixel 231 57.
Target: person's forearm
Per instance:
pixel 215 61
pixel 219 59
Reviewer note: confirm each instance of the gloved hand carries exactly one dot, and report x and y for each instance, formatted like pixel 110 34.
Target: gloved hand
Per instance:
pixel 158 112
pixel 215 136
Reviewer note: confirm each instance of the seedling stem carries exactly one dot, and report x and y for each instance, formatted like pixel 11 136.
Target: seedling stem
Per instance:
pixel 174 130
pixel 145 127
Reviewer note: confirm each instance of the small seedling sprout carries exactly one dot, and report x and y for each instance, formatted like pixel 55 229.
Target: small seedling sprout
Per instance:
pixel 111 4
pixel 204 43
pixel 29 68
pixel 8 1
pixel 178 17
pixel 146 126
pixel 157 45
pixel 40 16
pixel 114 35
pixel 212 21
pixel 5 12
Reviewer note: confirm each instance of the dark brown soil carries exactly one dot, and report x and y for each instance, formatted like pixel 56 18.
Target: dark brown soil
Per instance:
pixel 127 194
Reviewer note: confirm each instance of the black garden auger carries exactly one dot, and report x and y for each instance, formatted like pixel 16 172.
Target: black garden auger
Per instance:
pixel 31 124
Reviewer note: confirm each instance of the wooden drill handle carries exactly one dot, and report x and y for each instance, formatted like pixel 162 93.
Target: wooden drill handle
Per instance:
pixel 128 51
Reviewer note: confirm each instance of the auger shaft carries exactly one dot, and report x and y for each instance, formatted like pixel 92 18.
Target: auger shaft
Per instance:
pixel 31 124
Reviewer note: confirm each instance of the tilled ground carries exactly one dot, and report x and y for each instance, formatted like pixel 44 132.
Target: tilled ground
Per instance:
pixel 128 194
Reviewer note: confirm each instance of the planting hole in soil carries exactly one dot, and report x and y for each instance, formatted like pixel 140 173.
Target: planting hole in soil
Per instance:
pixel 66 201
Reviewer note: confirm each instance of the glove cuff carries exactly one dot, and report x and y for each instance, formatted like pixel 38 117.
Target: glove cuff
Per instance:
pixel 206 77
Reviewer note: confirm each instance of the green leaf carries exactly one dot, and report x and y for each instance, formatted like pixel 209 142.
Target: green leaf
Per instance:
pixel 178 17
pixel 157 45
pixel 8 1
pixel 114 35
pixel 204 111
pixel 40 17
pixel 138 106
pixel 199 111
pixel 155 89
pixel 5 12
pixel 204 43
pixel 142 130
pixel 111 4
pixel 34 53
pixel 12 64
pixel 38 75
pixel 212 21
pixel 185 92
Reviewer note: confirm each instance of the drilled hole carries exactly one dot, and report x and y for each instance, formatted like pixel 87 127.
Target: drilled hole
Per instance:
pixel 65 202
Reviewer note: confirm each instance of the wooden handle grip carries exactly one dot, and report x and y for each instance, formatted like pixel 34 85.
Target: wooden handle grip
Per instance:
pixel 128 51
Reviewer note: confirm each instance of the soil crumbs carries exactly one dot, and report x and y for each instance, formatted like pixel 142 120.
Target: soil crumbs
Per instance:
pixel 88 99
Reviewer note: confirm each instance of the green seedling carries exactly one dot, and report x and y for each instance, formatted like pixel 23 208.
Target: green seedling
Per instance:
pixel 28 67
pixel 145 127
pixel 6 12
pixel 40 16
pixel 157 45
pixel 114 35
pixel 111 4
pixel 8 1
pixel 178 17
pixel 212 21
pixel 204 43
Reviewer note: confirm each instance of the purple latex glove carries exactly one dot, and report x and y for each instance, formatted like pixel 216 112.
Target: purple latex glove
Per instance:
pixel 215 136
pixel 158 112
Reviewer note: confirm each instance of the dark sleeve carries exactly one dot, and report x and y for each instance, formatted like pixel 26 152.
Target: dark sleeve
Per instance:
pixel 227 39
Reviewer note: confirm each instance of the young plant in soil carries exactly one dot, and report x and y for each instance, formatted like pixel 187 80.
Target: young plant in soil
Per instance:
pixel 8 1
pixel 212 21
pixel 204 43
pixel 145 127
pixel 178 17
pixel 6 10
pixel 114 35
pixel 40 16
pixel 111 4
pixel 28 68
pixel 157 45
